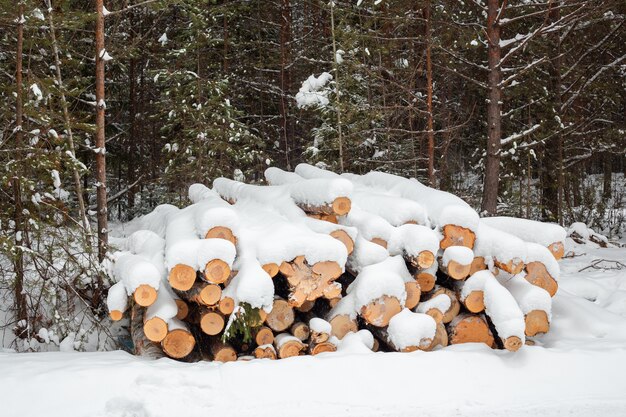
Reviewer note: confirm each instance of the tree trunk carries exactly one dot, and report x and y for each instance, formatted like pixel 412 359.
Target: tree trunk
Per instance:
pixel 337 89
pixel 285 76
pixel 101 199
pixel 20 298
pixel 553 154
pixel 608 169
pixel 492 164
pixel 429 98
pixel 68 128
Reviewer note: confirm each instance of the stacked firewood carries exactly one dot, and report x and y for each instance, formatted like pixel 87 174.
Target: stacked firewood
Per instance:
pixel 316 260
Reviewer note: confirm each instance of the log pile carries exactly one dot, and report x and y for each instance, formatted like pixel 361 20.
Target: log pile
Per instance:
pixel 315 261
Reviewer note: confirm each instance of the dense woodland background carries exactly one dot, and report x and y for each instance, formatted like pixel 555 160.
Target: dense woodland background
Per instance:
pixel 519 107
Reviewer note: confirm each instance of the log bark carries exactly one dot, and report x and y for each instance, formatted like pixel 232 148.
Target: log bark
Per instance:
pixel 141 344
pixel 183 309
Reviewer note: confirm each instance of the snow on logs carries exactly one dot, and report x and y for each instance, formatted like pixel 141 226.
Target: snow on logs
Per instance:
pixel 249 271
pixel 549 235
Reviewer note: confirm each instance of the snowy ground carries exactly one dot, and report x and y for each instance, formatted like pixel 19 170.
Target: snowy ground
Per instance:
pixel 576 370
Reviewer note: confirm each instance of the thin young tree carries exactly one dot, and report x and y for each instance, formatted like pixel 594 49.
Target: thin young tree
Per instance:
pixel 101 196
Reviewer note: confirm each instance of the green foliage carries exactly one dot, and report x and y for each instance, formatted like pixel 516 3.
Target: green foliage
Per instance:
pixel 242 325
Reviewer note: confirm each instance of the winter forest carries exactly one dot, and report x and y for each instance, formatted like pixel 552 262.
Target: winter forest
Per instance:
pixel 216 181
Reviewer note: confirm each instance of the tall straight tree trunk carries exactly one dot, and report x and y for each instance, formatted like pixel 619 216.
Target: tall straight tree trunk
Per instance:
pixel 101 197
pixel 492 164
pixel 20 298
pixel 429 98
pixel 285 75
pixel 337 89
pixel 552 173
pixel 607 176
pixel 68 127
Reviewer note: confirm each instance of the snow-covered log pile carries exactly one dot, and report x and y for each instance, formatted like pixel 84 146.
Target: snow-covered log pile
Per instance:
pixel 316 259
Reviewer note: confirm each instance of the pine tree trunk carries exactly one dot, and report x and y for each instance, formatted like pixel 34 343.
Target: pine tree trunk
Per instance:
pixel 20 298
pixel 285 76
pixel 429 98
pixel 608 169
pixel 101 198
pixel 68 128
pixel 492 164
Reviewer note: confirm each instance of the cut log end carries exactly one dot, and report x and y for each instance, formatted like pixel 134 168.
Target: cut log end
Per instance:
pixel 537 274
pixel 458 271
pixel 301 331
pixel 536 322
pixel 425 259
pixel 183 309
pixel 475 302
pixel 454 235
pixel 341 325
pixel 290 348
pixel 155 329
pixel 182 277
pixel 470 329
pixel 557 249
pixel 178 343
pixel 478 264
pixel 380 311
pixel 426 281
pixel 216 271
pixel 210 294
pixel 281 316
pixel 512 343
pixel 264 336
pixel 116 315
pixel 265 352
pixel 413 294
pixel 379 241
pixel 344 238
pixel 226 306
pixel 145 295
pixel 271 269
pixel 322 347
pixel 341 206
pixel 513 267
pixel 211 323
pixel 221 232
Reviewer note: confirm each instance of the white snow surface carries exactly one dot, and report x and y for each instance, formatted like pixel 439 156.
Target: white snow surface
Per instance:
pixel 251 285
pixel 365 253
pixel 411 239
pixel 397 211
pixel 408 329
pixel 164 307
pixel 576 370
pixel 476 282
pixel 538 253
pixel 134 270
pixel 440 302
pixel 442 207
pixel 503 310
pixel 494 243
pixel 529 230
pixel 117 297
pixel 377 280
pixel 459 254
pixel 369 225
pixel 318 325
pixel 529 297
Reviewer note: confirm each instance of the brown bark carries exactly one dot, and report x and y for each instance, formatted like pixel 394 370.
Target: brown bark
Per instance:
pixel 101 198
pixel 285 76
pixel 20 297
pixel 492 163
pixel 429 98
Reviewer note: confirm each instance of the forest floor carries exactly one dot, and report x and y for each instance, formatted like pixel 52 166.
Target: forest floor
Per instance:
pixel 576 370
